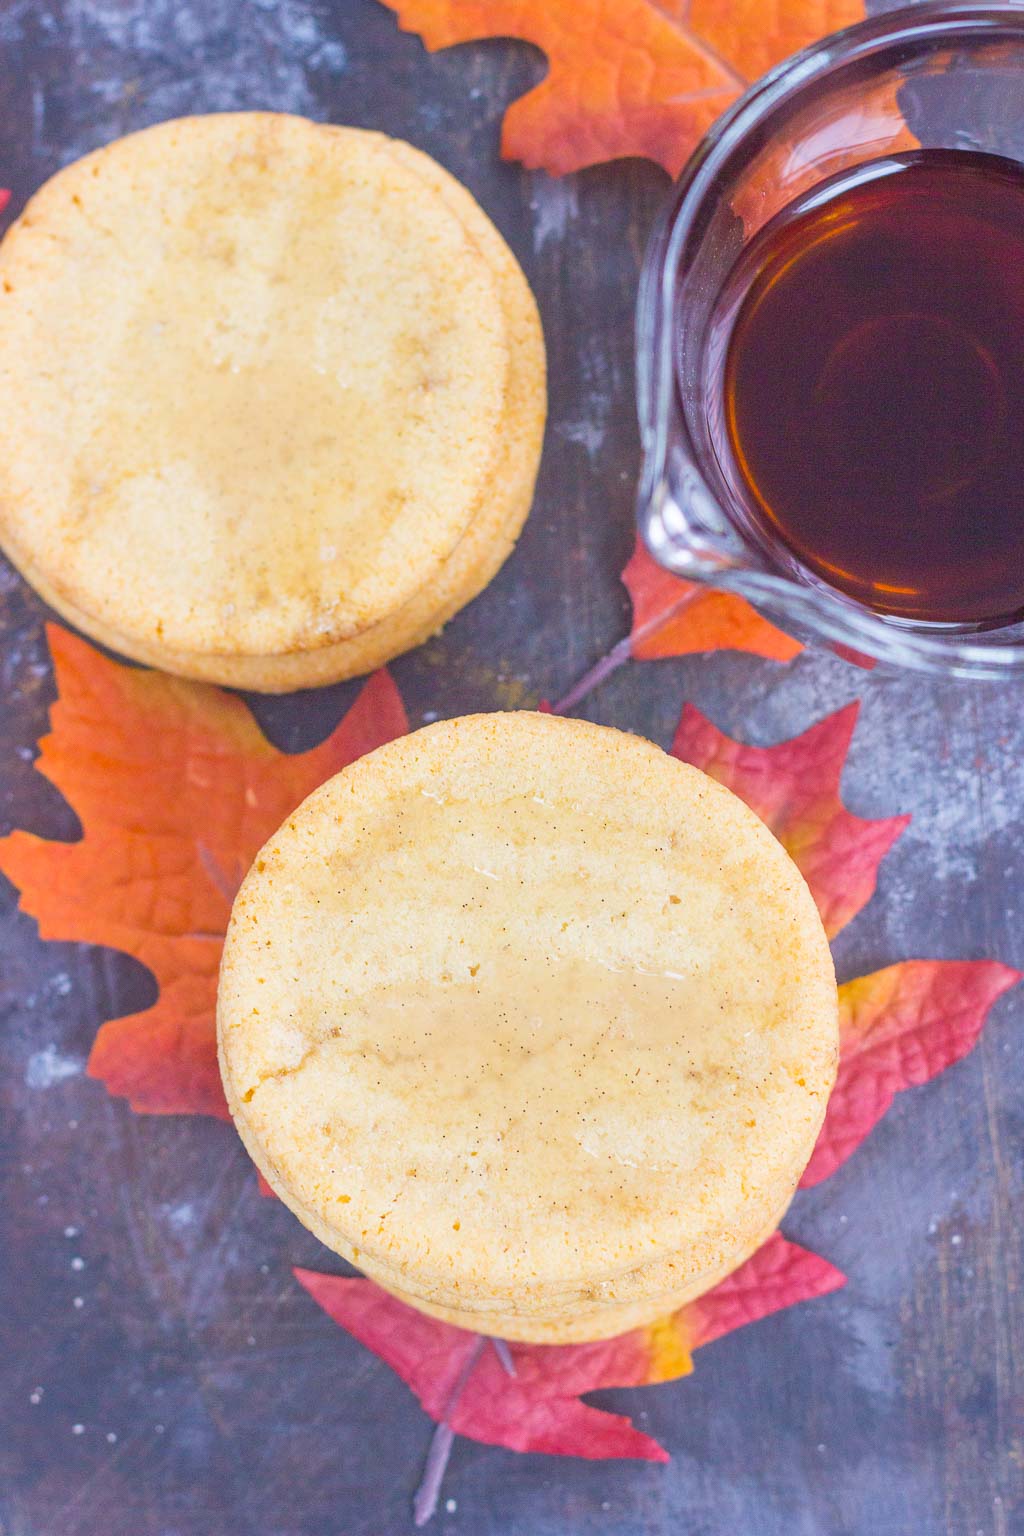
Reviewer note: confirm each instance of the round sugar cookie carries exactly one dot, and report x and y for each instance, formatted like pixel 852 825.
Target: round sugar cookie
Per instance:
pixel 533 1023
pixel 299 403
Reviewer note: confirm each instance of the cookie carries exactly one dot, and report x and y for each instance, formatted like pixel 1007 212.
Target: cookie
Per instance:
pixel 278 398
pixel 533 1023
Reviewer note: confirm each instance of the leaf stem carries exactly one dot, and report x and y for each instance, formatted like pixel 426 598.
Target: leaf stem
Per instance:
pixel 622 652
pixel 504 1354
pixel 608 664
pixel 424 1504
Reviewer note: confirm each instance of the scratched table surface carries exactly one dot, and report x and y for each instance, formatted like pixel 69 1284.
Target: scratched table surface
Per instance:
pixel 162 1373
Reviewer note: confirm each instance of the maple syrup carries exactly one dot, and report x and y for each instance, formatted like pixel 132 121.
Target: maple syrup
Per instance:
pixel 873 385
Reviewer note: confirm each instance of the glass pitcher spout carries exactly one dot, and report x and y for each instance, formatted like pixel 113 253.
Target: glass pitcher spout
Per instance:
pixel 684 528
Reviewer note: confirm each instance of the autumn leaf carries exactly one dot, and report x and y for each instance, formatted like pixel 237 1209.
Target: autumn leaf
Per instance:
pixel 899 1027
pixel 794 788
pixel 536 1410
pixel 176 789
pixel 672 617
pixel 627 77
pixel 539 1407
pixel 777 1276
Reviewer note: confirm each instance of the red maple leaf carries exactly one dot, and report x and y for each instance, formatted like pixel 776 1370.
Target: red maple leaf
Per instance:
pixel 902 1025
pixel 794 788
pixel 899 1027
pixel 539 1408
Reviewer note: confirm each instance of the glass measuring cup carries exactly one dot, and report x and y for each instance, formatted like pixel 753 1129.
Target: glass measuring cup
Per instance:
pixel 938 75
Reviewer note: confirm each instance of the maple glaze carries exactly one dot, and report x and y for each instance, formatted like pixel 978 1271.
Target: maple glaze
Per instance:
pixel 873 385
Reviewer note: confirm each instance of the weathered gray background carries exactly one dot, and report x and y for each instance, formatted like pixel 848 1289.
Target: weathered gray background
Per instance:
pixel 146 1294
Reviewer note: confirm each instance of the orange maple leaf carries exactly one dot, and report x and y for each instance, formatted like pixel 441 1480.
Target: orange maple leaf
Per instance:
pixel 177 790
pixel 672 617
pixel 627 77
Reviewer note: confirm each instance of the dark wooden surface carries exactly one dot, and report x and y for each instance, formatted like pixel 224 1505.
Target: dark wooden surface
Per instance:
pixel 146 1293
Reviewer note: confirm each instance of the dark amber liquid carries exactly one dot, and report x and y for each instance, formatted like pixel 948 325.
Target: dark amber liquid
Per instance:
pixel 874 385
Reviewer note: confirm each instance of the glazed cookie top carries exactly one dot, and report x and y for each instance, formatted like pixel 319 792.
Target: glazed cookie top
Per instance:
pixel 521 1001
pixel 254 372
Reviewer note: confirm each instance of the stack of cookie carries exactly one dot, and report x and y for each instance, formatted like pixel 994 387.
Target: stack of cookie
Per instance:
pixel 274 395
pixel 532 1022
